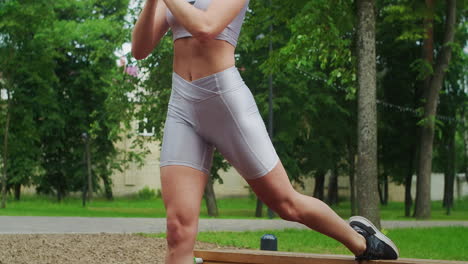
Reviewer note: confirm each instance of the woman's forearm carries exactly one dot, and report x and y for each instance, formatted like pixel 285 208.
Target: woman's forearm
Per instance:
pixel 205 23
pixel 143 32
pixel 192 19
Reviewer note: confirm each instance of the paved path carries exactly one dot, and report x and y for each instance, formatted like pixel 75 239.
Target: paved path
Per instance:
pixel 66 225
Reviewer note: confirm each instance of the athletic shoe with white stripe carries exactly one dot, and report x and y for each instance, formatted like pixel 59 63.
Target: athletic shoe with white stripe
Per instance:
pixel 378 245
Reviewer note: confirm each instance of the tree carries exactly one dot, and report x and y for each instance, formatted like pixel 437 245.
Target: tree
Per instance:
pixel 399 44
pixel 465 141
pixel 219 163
pixel 60 66
pixel 319 184
pixel 434 85
pixel 448 145
pixel 85 68
pixel 312 81
pixel 367 114
pixel 332 198
pixel 397 33
pixel 5 151
pixel 314 76
pixel 448 150
pixel 25 60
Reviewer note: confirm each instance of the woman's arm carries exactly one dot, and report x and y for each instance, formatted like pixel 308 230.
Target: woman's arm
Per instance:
pixel 149 29
pixel 205 24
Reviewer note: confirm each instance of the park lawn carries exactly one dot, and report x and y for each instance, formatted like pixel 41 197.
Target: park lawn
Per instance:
pixel 119 207
pixel 396 210
pixel 448 243
pixel 46 206
pixel 228 208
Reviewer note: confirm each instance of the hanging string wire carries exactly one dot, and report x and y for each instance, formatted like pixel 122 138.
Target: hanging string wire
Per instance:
pixel 387 105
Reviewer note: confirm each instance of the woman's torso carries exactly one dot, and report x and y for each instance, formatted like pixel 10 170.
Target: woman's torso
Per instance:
pixel 195 58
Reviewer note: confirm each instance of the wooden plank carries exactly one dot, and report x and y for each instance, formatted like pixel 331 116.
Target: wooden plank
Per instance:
pixel 211 262
pixel 273 257
pixel 261 257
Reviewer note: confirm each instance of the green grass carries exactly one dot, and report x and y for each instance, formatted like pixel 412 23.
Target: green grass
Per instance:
pixel 47 206
pixel 448 243
pixel 228 208
pixel 119 207
pixel 396 210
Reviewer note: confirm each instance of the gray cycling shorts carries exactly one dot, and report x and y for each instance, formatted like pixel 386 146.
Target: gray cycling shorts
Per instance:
pixel 217 111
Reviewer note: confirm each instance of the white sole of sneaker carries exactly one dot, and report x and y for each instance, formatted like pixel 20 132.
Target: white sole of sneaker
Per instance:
pixel 378 234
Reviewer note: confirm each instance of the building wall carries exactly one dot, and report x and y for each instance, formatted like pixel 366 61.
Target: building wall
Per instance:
pixel 133 179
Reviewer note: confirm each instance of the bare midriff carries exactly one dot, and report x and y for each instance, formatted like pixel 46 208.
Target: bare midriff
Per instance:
pixel 195 59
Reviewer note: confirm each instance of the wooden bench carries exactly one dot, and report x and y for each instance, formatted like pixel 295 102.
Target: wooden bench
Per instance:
pixel 274 257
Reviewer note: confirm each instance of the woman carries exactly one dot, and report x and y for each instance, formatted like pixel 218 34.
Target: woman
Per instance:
pixel 211 107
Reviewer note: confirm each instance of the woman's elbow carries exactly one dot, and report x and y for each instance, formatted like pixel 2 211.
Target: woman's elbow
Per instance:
pixel 205 32
pixel 139 54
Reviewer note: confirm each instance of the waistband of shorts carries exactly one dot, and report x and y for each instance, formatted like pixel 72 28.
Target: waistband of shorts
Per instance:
pixel 216 83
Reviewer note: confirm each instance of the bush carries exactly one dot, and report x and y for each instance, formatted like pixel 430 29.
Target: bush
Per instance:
pixel 146 193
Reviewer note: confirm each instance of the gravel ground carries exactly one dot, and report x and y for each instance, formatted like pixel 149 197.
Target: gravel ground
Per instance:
pixel 84 249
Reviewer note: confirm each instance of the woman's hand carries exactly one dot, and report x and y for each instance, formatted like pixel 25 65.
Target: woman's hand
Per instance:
pixel 205 24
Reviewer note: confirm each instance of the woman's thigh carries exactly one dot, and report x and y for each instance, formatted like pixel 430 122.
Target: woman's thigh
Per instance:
pixel 274 187
pixel 238 132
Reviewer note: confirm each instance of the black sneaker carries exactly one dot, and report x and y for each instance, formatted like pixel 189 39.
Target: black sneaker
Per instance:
pixel 378 245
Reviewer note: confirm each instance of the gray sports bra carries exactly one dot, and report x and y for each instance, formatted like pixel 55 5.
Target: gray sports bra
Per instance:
pixel 229 34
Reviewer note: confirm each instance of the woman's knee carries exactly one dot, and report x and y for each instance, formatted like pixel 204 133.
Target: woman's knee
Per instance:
pixel 288 209
pixel 181 231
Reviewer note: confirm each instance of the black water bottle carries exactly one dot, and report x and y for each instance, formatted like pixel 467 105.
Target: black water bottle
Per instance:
pixel 269 242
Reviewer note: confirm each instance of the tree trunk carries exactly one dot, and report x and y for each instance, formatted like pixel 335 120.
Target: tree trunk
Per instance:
pixel 319 184
pixel 383 189
pixel 352 185
pixel 108 187
pixel 259 208
pixel 352 158
pixel 210 199
pixel 449 174
pixel 414 155
pixel 465 142
pixel 17 188
pixel 5 151
pixel 409 181
pixel 408 198
pixel 386 190
pixel 423 197
pixel 88 166
pixel 379 190
pixel 271 213
pixel 366 177
pixel 423 182
pixel 332 198
pixel 59 194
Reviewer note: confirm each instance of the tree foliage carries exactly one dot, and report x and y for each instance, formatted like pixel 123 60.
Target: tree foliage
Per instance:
pixel 58 58
pixel 58 64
